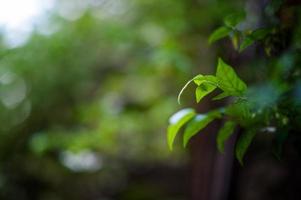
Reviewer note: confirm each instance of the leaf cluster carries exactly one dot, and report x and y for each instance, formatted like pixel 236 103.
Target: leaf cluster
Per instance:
pixel 230 84
pixel 272 105
pixel 241 39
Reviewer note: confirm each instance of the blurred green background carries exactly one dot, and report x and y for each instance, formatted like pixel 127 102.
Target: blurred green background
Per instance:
pixel 85 97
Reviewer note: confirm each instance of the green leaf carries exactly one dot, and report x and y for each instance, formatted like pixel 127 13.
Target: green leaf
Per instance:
pixel 198 123
pixel 199 79
pixel 236 39
pixel 248 41
pixel 243 144
pixel 221 96
pixel 240 111
pixel 260 33
pixel 176 121
pixel 224 133
pixel 228 81
pixel 203 90
pixel 233 19
pixel 219 33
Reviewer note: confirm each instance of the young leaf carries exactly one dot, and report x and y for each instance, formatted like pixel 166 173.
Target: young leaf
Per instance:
pixel 224 133
pixel 236 39
pixel 233 19
pixel 198 123
pixel 199 79
pixel 203 90
pixel 243 144
pixel 260 33
pixel 219 33
pixel 248 41
pixel 176 121
pixel 228 81
pixel 221 96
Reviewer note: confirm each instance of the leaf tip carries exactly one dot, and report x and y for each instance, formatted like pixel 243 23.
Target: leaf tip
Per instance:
pixel 220 60
pixel 241 162
pixel 211 41
pixel 220 149
pixel 170 147
pixel 185 142
pixel 169 140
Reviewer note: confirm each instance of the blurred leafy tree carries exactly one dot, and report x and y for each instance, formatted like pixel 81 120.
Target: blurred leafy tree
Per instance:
pixel 98 89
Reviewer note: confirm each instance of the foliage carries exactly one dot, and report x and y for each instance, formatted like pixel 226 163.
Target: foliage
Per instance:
pixel 231 85
pixel 261 107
